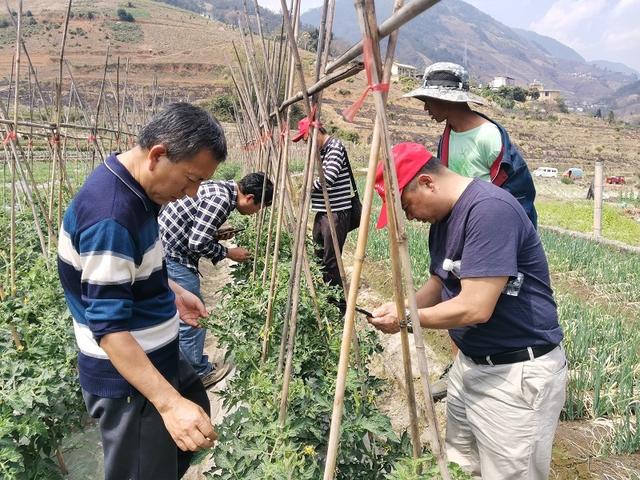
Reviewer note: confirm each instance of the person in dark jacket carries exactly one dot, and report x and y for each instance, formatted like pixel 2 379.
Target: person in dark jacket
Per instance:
pixel 472 144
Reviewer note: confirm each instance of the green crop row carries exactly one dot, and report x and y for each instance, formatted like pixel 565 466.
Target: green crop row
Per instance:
pixel 602 344
pixel 40 400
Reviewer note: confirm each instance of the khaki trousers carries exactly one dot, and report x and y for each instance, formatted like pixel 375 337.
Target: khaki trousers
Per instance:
pixel 501 420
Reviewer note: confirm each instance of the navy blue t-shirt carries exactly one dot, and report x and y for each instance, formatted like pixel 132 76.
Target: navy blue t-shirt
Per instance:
pixel 489 233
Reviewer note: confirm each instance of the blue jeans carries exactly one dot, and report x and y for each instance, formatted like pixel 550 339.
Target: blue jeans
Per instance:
pixel 191 338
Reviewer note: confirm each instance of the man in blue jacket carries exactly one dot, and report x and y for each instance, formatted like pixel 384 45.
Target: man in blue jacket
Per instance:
pixel 472 145
pixel 151 406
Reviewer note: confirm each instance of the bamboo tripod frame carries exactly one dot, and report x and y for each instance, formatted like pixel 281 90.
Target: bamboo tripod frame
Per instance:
pixel 269 78
pixel 380 147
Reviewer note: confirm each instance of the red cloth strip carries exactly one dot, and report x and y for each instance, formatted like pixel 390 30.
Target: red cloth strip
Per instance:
pixel 350 112
pixel 11 135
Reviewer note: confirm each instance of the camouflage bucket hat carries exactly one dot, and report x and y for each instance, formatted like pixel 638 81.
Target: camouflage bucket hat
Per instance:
pixel 446 81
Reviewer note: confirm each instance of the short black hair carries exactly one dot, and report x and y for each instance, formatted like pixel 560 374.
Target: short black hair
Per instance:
pixel 184 130
pixel 433 166
pixel 253 183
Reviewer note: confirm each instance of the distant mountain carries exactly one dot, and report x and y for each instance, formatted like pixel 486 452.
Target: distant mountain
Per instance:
pixel 550 45
pixel 625 102
pixel 615 67
pixel 456 31
pixel 228 11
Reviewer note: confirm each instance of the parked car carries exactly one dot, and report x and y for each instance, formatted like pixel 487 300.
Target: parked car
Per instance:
pixel 573 173
pixel 545 172
pixel 616 180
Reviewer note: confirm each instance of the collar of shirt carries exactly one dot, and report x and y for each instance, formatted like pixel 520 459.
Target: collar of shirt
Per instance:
pixel 120 171
pixel 234 194
pixel 326 145
pixel 208 189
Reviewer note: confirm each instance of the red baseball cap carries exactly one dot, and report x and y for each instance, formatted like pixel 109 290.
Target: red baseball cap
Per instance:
pixel 303 128
pixel 408 159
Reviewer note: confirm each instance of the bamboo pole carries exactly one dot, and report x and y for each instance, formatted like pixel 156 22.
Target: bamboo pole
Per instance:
pixel 598 187
pixel 272 90
pixel 245 97
pixel 56 147
pixel 368 24
pixel 31 69
pixel 288 341
pixel 393 244
pixel 282 189
pixel 394 22
pixel 363 232
pixel 313 157
pixel 29 181
pixel 325 81
pixel 290 319
pixel 12 241
pixel 262 107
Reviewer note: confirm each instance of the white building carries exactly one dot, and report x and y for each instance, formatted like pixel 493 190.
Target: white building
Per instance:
pixel 400 70
pixel 502 81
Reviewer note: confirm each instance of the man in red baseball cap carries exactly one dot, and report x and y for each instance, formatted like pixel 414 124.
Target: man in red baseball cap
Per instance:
pixel 343 200
pixel 490 287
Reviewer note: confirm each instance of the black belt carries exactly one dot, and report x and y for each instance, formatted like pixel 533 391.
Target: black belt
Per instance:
pixel 514 356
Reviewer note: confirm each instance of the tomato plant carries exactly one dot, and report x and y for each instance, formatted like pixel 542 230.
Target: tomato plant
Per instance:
pixel 40 398
pixel 252 444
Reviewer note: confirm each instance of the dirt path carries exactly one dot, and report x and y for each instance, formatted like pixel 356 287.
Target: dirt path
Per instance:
pixel 214 278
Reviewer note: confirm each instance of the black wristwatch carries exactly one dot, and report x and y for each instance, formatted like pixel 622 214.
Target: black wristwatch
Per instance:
pixel 409 323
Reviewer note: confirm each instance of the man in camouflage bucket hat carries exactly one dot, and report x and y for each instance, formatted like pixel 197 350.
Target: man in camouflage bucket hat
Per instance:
pixel 472 145
pixel 446 81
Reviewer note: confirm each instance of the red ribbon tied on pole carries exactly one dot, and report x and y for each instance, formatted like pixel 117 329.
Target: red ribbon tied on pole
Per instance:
pixel 11 135
pixel 350 112
pixel 91 139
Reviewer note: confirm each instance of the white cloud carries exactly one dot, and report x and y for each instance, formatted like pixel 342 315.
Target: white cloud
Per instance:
pixel 622 40
pixel 598 29
pixel 564 16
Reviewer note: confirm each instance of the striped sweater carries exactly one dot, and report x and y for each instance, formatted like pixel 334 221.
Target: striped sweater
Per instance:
pixel 110 262
pixel 335 165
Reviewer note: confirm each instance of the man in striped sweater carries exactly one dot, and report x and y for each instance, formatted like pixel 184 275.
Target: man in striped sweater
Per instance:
pixel 341 189
pixel 151 407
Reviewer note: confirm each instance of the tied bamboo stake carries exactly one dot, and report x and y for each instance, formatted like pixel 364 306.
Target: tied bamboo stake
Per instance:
pixel 394 22
pixel 290 320
pixel 282 189
pixel 12 242
pixel 368 24
pixel 62 175
pixel 358 264
pixel 393 245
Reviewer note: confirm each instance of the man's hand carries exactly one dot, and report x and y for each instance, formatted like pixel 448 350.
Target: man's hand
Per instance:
pixel 190 307
pixel 239 254
pixel 385 318
pixel 188 424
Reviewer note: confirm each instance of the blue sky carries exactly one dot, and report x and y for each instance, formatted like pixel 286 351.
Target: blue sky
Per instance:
pixel 596 29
